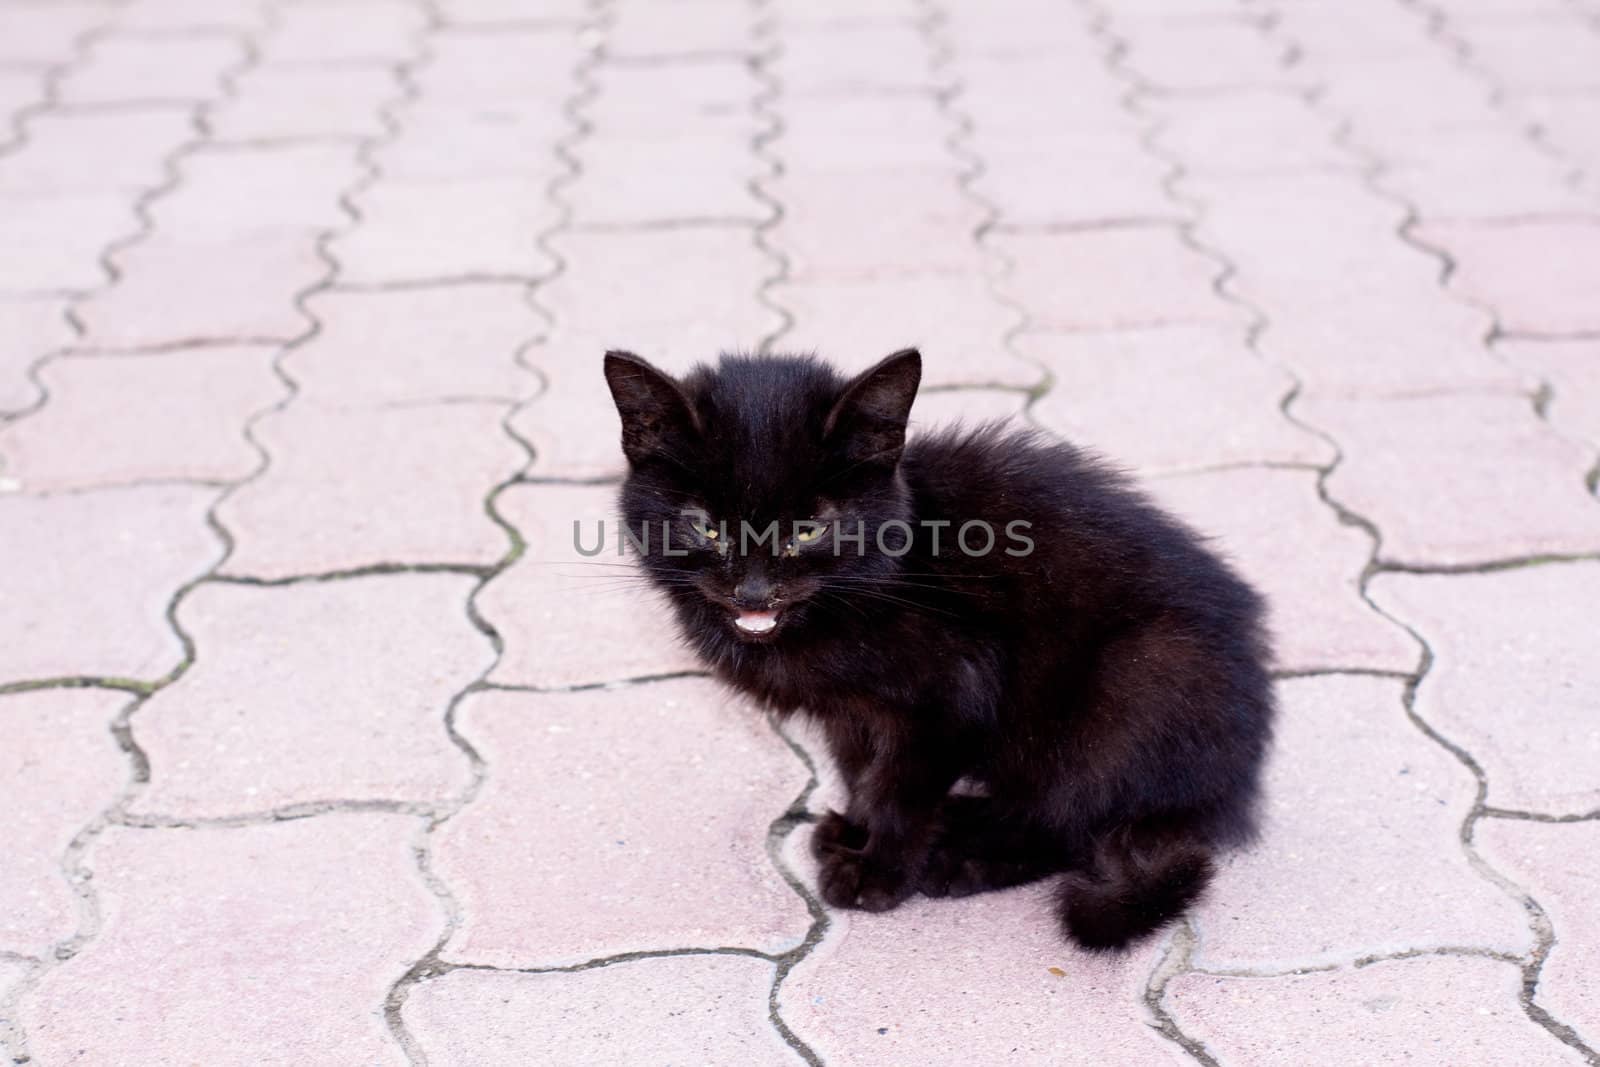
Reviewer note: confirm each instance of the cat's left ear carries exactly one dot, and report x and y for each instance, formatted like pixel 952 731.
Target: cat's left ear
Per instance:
pixel 869 419
pixel 656 416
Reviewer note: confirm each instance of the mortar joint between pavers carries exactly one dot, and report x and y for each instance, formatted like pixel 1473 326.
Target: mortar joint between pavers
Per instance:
pixel 765 48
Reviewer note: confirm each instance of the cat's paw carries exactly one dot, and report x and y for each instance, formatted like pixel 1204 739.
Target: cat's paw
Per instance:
pixel 855 880
pixel 835 833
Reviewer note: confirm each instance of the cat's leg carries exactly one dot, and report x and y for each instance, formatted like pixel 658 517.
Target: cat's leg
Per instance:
pixel 1140 878
pixel 976 848
pixel 872 856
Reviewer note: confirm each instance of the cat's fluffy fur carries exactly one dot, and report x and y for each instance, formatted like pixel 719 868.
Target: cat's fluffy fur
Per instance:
pixel 1105 697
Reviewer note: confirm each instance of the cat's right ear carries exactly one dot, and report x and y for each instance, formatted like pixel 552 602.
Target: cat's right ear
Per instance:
pixel 656 417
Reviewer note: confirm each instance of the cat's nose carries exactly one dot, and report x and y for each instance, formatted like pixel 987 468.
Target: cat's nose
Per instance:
pixel 753 592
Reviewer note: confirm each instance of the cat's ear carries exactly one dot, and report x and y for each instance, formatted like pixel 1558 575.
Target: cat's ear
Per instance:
pixel 656 416
pixel 869 419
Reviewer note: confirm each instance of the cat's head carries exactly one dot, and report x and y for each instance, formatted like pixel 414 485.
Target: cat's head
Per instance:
pixel 761 484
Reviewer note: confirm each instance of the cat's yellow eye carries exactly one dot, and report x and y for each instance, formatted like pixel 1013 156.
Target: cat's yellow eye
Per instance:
pixel 810 533
pixel 703 527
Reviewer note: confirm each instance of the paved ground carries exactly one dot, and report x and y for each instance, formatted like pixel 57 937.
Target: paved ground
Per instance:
pixel 313 751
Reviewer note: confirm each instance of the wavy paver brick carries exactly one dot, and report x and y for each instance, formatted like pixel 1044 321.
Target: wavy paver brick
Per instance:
pixel 684 1009
pixel 88 577
pixel 968 407
pixel 1559 51
pixel 859 227
pixel 283 102
pixel 1492 174
pixel 459 140
pixel 1458 480
pixel 955 320
pixel 345 31
pixel 1075 179
pixel 59 768
pixel 468 228
pixel 366 667
pixel 978 980
pixel 293 188
pixel 1555 862
pixel 1441 1009
pixel 649 803
pixel 1571 370
pixel 567 619
pixel 1262 131
pixel 54 244
pixel 1203 54
pixel 1131 395
pixel 137 68
pixel 1511 654
pixel 47 33
pixel 699 171
pixel 417 345
pixel 1509 268
pixel 29 329
pixel 157 417
pixel 694 30
pixel 1113 278
pixel 1065 96
pixel 874 134
pixel 192 15
pixel 97 152
pixel 508 67
pixel 210 954
pixel 841 58
pixel 351 489
pixel 1273 526
pixel 1360 851
pixel 237 290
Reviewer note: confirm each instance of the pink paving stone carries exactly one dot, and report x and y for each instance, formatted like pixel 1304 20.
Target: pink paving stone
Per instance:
pixel 1080 178
pixel 498 13
pixel 633 99
pixel 1571 370
pixel 1440 1009
pixel 1203 54
pixel 454 141
pixel 119 420
pixel 1491 173
pixel 956 320
pixel 243 290
pixel 366 667
pixel 88 577
pixel 246 945
pixel 345 31
pixel 1104 279
pixel 650 804
pixel 1360 851
pixel 1272 525
pixel 97 152
pixel 1547 53
pixel 849 58
pixel 567 619
pixel 417 345
pixel 1513 673
pixel 1131 396
pixel 29 329
pixel 690 29
pixel 957 982
pixel 1555 863
pixel 48 33
pixel 859 227
pixel 1260 131
pixel 1063 96
pixel 869 134
pixel 351 489
pixel 273 103
pixel 20 90
pixel 699 171
pixel 1569 121
pixel 139 68
pixel 683 1009
pixel 969 407
pixel 1538 276
pixel 236 193
pixel 190 15
pixel 55 243
pixel 1439 91
pixel 502 69
pixel 60 767
pixel 1458 480
pixel 416 231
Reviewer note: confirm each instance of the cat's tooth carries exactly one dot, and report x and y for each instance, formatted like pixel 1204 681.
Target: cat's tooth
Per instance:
pixel 756 622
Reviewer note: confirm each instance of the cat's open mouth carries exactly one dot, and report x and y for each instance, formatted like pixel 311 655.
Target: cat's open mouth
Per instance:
pixel 756 624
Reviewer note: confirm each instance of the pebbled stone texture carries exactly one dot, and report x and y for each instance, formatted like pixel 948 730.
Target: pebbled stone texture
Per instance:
pixel 367 666
pixel 674 783
pixel 684 1009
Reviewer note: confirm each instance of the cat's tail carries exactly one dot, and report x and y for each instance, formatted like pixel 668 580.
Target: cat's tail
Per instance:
pixel 1138 881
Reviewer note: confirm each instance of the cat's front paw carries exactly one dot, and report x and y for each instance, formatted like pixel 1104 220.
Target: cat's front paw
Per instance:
pixel 857 880
pixel 835 833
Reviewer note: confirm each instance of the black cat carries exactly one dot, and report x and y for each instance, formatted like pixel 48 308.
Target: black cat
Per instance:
pixel 983 605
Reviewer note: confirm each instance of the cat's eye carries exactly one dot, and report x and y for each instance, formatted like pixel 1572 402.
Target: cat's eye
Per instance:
pixel 704 528
pixel 810 533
